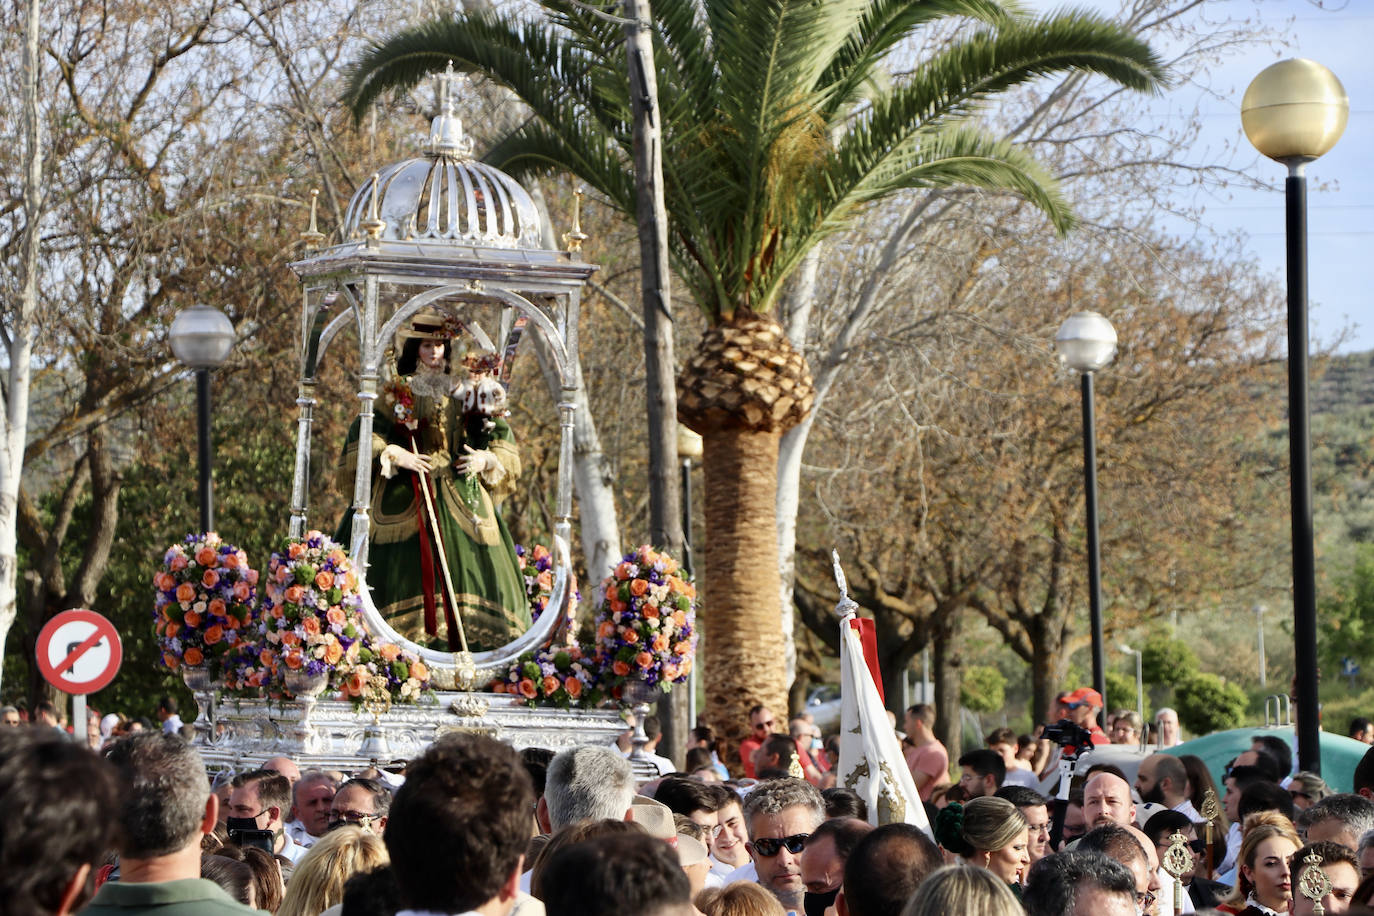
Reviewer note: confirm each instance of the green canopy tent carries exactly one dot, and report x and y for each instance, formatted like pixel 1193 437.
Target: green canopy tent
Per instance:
pixel 1340 755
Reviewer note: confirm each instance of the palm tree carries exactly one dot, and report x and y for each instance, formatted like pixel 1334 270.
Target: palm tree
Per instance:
pixel 778 129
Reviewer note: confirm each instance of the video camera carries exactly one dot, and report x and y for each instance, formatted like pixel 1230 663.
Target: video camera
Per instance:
pixel 1069 736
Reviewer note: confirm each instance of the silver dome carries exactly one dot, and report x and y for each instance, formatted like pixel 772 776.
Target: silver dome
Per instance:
pixel 445 195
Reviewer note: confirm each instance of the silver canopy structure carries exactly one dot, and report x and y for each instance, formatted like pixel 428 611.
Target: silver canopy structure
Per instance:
pixel 443 232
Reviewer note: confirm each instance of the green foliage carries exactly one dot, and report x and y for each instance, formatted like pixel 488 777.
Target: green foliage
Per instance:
pixel 1120 690
pixel 1207 704
pixel 1164 660
pixel 1345 614
pixel 984 689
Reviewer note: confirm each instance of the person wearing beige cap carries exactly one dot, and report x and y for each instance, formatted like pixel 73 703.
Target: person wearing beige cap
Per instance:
pixel 657 819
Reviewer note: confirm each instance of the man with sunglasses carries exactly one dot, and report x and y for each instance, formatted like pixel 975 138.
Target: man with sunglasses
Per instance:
pixel 780 815
pixel 363 802
pixel 761 724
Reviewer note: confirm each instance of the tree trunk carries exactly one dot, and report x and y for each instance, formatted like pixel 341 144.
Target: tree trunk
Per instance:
pixel 665 501
pixel 744 663
pixel 21 332
pixel 948 678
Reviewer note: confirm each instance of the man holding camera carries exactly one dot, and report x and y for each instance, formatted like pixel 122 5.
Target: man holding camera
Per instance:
pixel 165 806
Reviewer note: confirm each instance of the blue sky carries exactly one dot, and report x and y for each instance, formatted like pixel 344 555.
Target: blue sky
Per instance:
pixel 1340 35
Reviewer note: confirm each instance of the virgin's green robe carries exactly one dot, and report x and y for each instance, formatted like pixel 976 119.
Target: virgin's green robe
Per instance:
pixel 487 583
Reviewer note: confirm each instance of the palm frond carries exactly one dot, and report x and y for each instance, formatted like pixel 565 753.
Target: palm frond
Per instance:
pixel 540 147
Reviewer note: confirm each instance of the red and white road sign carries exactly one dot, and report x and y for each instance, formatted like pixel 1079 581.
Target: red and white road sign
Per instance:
pixel 79 652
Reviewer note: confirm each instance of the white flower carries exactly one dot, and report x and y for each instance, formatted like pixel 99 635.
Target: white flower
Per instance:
pixel 199 607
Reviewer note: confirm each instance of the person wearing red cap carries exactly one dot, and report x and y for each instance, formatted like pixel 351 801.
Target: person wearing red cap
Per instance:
pixel 1084 705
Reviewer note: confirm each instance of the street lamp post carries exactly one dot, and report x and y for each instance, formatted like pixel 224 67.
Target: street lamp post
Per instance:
pixel 1259 635
pixel 1293 112
pixel 1139 680
pixel 201 337
pixel 1086 342
pixel 688 449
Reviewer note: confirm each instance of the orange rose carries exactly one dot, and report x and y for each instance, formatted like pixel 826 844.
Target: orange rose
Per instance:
pixel 527 689
pixel 311 625
pixel 324 579
pixel 660 642
pixel 333 652
pixel 679 618
pixel 629 635
pixel 389 651
pixel 231 561
pixel 296 551
pixel 242 590
pixel 172 629
pixel 290 639
pixel 689 590
pixel 622 571
pixel 193 656
pixel 282 574
pixel 354 684
pixel 294 659
pixel 650 611
pixel 251 576
pixel 620 669
pixel 618 606
pixel 681 648
pixel 209 578
pixel 267 658
pixel 550 684
pixel 336 615
pixel 170 660
pixel 214 635
pixel 206 556
pixel 350 580
pixel 217 608
pixel 277 612
pixel 544 580
pixel 192 619
pixel 179 562
pixel 338 556
pixel 670 672
pixel 605 630
pixel 164 581
pixel 644 659
pixel 686 667
pixel 186 592
pixel 638 587
pixel 294 594
pixel 160 625
pixel 573 686
pixel 419 671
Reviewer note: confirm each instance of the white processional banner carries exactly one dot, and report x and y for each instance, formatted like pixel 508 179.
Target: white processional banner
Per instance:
pixel 871 760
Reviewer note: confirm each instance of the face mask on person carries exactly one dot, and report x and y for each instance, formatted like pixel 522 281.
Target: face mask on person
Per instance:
pixel 816 904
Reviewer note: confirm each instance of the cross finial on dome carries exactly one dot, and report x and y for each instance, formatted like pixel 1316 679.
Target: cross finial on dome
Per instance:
pixel 446 136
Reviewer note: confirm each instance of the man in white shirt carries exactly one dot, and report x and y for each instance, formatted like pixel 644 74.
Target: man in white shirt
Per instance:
pixel 1163 780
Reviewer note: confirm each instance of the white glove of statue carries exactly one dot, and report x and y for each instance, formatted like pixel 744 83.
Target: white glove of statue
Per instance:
pixel 476 461
pixel 405 459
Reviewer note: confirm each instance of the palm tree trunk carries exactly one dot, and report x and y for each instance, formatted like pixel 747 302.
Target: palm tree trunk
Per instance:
pixel 742 620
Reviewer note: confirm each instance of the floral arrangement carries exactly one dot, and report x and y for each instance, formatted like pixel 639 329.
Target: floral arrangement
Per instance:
pixel 536 565
pixel 407 677
pixel 310 609
pixel 204 602
pixel 561 676
pixel 646 622
pixel 403 402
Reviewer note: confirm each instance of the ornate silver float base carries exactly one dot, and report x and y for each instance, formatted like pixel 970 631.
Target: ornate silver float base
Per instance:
pixel 245 733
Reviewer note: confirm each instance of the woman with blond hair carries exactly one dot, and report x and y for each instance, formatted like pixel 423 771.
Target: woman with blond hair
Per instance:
pixel 989 832
pixel 1263 883
pixel 318 879
pixel 743 898
pixel 965 890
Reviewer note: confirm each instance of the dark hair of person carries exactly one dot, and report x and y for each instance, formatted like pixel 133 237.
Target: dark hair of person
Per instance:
pixel 1001 735
pixel 954 794
pixel 781 746
pixel 1022 796
pixel 612 875
pixel 844 832
pixel 1364 773
pixel 704 733
pixel 1246 776
pixel 1163 824
pixel 266 873
pixel 167 704
pixel 653 728
pixel 1326 850
pixel 1053 884
pixel 683 795
pixel 409 359
pixel 1358 726
pixel 376 790
pixel 1280 749
pixel 886 867
pixel 697 758
pixel 985 763
pixel 234 877
pixel 536 761
pixel 842 802
pixel 371 893
pixel 1265 796
pixel 162 793
pixel 1114 841
pixel 571 835
pixel 274 789
pixel 57 796
pixel 466 799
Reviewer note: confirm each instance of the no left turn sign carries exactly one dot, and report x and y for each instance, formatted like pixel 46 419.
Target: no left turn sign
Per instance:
pixel 79 652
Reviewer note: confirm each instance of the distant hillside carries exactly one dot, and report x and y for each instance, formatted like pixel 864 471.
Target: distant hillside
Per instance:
pixel 1347 383
pixel 1343 454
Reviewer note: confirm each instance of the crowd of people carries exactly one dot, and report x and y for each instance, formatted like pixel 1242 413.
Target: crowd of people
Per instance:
pixel 473 826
